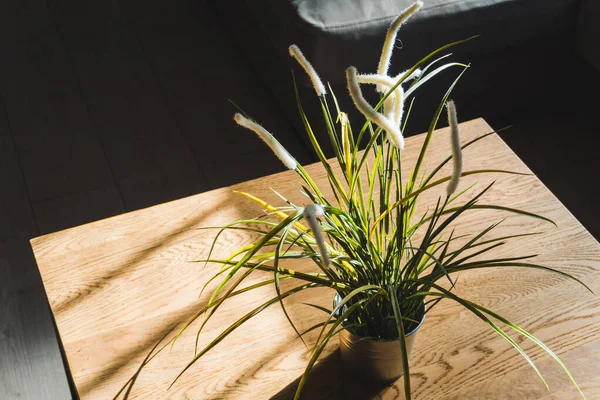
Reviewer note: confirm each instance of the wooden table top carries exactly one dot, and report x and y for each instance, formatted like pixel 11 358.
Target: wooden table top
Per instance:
pixel 116 286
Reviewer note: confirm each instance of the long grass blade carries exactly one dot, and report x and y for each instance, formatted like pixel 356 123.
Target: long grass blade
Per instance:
pixel 321 346
pixel 474 309
pixel 402 340
pixel 238 323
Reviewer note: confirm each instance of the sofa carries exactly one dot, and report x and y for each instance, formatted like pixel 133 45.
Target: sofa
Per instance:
pixel 521 59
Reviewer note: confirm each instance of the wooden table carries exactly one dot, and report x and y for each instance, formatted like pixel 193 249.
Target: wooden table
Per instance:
pixel 118 285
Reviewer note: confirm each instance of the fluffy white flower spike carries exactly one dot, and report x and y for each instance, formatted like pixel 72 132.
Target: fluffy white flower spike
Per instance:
pixel 383 81
pixel 399 106
pixel 456 150
pixel 388 82
pixel 391 103
pixel 394 104
pixel 310 71
pixel 280 151
pixel 415 74
pixel 389 106
pixel 390 39
pixel 369 112
pixel 311 213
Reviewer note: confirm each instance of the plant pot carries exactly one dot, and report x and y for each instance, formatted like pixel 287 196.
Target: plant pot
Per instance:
pixel 376 361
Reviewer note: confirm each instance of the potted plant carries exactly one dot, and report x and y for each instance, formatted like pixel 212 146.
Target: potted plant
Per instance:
pixel 362 239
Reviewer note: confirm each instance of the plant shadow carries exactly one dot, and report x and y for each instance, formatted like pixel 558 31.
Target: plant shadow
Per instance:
pixel 330 380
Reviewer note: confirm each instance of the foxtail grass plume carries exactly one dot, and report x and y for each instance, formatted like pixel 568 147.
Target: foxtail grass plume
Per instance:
pixel 393 130
pixel 389 106
pixel 388 82
pixel 375 79
pixel 310 71
pixel 391 102
pixel 456 150
pixel 311 213
pixel 414 75
pixel 347 148
pixel 394 104
pixel 390 39
pixel 398 106
pixel 280 151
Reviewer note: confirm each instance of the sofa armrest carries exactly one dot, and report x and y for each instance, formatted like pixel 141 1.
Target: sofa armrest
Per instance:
pixel 588 32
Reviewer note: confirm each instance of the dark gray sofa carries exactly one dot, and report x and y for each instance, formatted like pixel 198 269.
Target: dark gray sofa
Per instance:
pixel 522 59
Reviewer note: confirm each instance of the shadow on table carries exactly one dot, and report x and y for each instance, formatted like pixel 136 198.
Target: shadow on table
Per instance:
pixel 169 325
pixel 329 380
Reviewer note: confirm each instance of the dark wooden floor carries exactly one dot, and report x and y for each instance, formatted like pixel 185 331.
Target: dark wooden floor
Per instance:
pixel 107 107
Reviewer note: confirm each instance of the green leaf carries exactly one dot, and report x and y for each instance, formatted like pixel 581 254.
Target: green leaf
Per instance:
pixel 288 272
pixel 402 340
pixel 430 131
pixel 224 228
pixel 336 185
pixel 421 62
pixel 534 340
pixel 316 326
pixel 501 263
pixel 321 346
pixel 239 322
pixel 208 306
pixel 464 146
pixel 347 298
pixel 276 279
pixel 131 382
pixel 412 195
pixel 320 308
pixel 424 78
pixel 472 241
pixel 256 247
pixel 475 310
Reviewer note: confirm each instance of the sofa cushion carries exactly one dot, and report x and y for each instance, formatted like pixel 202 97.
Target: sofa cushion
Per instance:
pixel 525 45
pixel 337 33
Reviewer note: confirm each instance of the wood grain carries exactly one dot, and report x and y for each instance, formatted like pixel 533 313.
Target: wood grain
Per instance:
pixel 117 285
